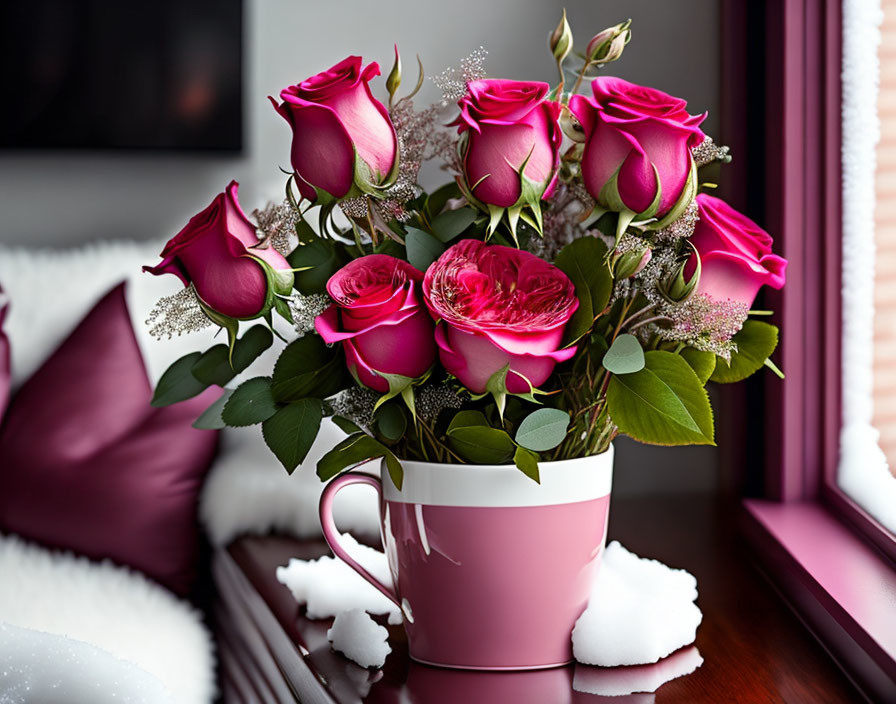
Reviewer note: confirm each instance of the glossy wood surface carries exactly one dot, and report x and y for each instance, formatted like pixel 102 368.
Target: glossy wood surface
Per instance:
pixel 754 648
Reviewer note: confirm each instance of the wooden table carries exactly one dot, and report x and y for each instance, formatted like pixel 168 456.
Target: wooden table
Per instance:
pixel 754 648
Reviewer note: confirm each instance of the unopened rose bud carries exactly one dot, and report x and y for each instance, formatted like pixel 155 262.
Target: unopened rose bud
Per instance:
pixel 627 264
pixel 560 40
pixel 607 46
pixel 680 287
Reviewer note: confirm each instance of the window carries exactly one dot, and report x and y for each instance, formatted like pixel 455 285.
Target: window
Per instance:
pixel 802 107
pixel 868 438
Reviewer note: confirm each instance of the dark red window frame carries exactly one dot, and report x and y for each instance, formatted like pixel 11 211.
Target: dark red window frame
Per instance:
pixel 781 95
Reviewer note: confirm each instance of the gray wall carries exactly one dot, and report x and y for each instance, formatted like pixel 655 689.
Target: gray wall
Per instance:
pixel 63 199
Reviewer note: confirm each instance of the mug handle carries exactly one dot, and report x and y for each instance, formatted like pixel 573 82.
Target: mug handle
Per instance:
pixel 331 534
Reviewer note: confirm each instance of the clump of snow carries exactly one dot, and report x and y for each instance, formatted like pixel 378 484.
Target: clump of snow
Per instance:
pixel 640 610
pixel 328 586
pixel 359 638
pixel 622 681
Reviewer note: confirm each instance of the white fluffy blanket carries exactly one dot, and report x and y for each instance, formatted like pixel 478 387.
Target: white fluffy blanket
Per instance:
pixel 142 640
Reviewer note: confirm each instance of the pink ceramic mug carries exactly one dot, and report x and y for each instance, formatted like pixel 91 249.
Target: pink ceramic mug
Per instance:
pixel 490 569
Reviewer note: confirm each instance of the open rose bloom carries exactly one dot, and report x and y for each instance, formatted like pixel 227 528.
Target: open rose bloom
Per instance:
pixel 573 281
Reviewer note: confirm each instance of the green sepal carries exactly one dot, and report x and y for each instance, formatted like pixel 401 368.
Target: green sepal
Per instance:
pixel 688 193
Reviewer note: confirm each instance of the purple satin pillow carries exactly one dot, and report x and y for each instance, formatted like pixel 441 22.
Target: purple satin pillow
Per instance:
pixel 86 464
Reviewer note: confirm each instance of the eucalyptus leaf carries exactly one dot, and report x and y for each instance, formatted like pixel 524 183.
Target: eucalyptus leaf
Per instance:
pixel 625 355
pixel 291 431
pixel 211 417
pixel 527 462
pixel 755 343
pixel 663 404
pixel 543 429
pixel 252 402
pixel 423 249
pixel 178 383
pixel 452 223
pixel 584 261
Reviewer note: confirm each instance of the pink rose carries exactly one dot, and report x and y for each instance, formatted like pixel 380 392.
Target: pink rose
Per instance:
pixel 735 254
pixel 334 118
pixel 215 252
pixel 643 134
pixel 506 123
pixel 379 319
pixel 498 306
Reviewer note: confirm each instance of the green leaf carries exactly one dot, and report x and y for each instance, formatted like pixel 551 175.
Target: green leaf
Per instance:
pixel 437 200
pixel 252 402
pixel 354 450
pixel 755 343
pixel 625 355
pixel 527 462
pixel 178 383
pixel 452 223
pixel 543 429
pixel 291 431
pixel 423 249
pixel 307 367
pixel 703 363
pixel 663 404
pixel 317 260
pixel 391 421
pixel 214 366
pixel 471 437
pixel 211 416
pixel 347 426
pixel 584 262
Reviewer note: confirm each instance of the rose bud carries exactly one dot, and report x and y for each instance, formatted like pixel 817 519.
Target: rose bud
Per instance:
pixel 607 46
pixel 216 253
pixel 560 40
pixel 735 254
pixel 341 135
pixel 498 306
pixel 510 144
pixel 378 317
pixel 637 156
pixel 627 264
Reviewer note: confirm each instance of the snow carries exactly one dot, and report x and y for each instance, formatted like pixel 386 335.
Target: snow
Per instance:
pixel 359 638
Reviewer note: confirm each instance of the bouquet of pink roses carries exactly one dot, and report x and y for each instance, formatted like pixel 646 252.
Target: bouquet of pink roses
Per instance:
pixel 574 281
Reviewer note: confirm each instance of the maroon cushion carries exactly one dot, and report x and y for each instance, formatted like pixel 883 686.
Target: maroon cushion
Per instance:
pixel 86 464
pixel 5 374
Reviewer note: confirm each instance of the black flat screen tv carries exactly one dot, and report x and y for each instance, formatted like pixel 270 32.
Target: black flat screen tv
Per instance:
pixel 103 74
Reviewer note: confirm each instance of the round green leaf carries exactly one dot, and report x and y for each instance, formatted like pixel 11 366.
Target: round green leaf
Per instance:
pixel 451 223
pixel 423 249
pixel 543 429
pixel 625 355
pixel 391 421
pixel 755 343
pixel 252 402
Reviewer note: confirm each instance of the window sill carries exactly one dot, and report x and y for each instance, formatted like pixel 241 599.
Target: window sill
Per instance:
pixel 842 588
